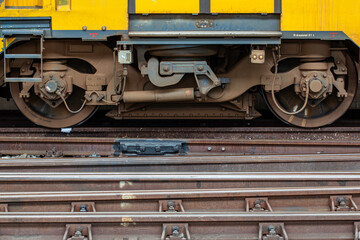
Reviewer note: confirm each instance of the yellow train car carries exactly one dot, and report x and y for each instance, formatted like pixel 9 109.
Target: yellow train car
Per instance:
pixel 190 59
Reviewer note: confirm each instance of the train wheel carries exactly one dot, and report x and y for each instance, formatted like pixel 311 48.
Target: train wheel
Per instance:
pixel 325 113
pixel 39 112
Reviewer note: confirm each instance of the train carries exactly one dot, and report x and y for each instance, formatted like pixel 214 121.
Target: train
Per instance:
pixel 192 59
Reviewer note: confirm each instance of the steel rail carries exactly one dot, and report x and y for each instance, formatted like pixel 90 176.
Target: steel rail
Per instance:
pixel 74 146
pixel 169 131
pixel 153 217
pixel 176 160
pixel 176 177
pixel 70 140
pixel 86 140
pixel 12 197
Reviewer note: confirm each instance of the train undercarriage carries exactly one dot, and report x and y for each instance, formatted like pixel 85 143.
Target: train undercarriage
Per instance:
pixel 305 83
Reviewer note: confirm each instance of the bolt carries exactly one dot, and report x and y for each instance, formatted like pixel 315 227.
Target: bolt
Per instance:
pixel 23 70
pixel 103 28
pixel 166 68
pixel 176 231
pixel 338 62
pixel 343 69
pixel 83 208
pixel 325 76
pixel 342 203
pixel 142 148
pixel 84 28
pixel 200 68
pixel 223 149
pixel 272 230
pixel 171 206
pixel 209 149
pixel 77 233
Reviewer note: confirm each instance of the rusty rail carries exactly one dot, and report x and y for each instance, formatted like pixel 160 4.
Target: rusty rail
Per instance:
pixel 177 160
pixel 74 146
pixel 180 177
pixel 138 205
pixel 212 191
pixel 330 133
pixel 23 197
pixel 174 217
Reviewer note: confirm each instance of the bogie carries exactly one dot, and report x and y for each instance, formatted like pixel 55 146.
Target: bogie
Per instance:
pixel 186 82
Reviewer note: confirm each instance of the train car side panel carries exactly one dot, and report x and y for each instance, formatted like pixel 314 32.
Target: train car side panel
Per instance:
pixel 111 14
pixel 165 6
pixel 320 15
pixel 242 6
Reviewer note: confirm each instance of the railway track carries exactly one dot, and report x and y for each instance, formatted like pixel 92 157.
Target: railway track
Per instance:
pixel 109 142
pixel 115 183
pixel 208 205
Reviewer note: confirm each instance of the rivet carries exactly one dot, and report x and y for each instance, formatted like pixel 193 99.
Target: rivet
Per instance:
pixel 103 28
pixel 166 68
pixel 200 68
pixel 209 148
pixel 84 28
pixel 223 149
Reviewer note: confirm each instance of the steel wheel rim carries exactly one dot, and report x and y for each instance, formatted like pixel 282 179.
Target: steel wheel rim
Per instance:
pixel 334 108
pixel 51 118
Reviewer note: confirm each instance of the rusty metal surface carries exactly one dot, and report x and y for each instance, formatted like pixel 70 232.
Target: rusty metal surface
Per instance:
pixel 216 194
pixel 82 146
pixel 202 140
pixel 215 205
pixel 349 131
pixel 180 177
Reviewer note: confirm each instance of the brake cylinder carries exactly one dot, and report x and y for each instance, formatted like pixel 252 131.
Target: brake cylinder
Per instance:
pixel 163 95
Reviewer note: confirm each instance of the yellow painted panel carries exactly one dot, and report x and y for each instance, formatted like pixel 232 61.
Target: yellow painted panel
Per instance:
pixel 23 3
pixel 167 6
pixel 90 13
pixel 243 6
pixel 7 43
pixel 322 15
pixel 63 5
